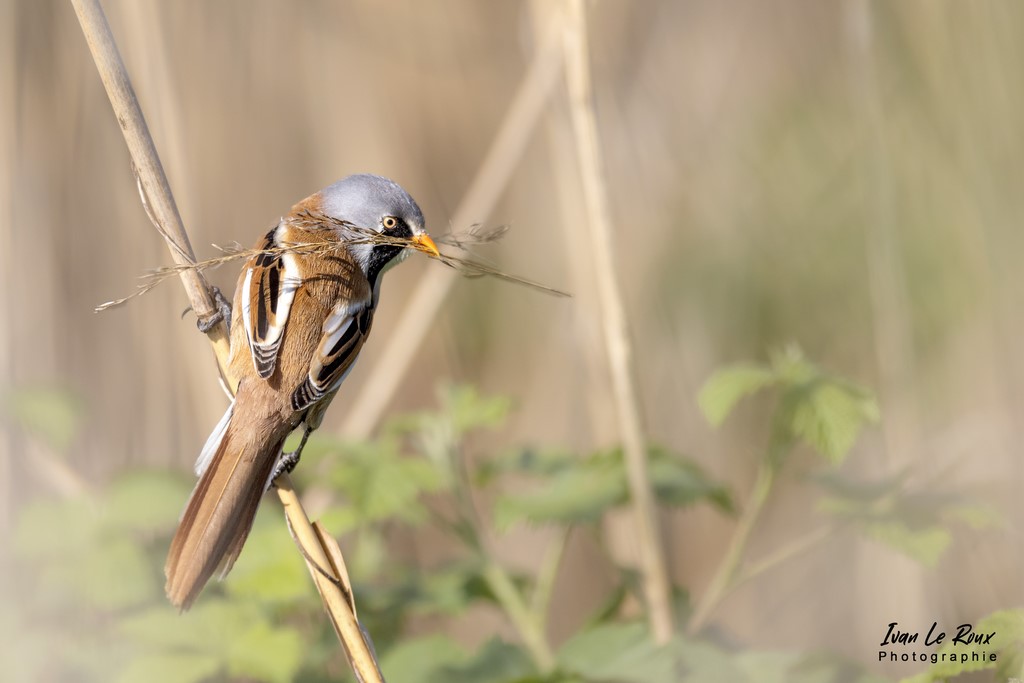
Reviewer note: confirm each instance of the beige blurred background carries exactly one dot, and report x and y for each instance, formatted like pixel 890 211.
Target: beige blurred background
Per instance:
pixel 844 175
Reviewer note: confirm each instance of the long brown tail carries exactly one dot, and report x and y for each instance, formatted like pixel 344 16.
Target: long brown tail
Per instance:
pixel 223 505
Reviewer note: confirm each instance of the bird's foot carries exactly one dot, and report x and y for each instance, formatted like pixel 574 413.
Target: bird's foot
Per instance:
pixel 286 463
pixel 223 312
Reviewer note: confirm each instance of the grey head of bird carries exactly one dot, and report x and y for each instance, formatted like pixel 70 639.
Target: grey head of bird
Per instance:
pixel 372 202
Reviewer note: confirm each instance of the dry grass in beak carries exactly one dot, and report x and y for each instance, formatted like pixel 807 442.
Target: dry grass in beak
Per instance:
pixel 338 233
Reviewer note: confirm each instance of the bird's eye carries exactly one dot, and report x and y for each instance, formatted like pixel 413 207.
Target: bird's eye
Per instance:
pixel 389 222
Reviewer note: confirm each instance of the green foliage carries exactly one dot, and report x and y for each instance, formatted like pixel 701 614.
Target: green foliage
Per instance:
pixel 825 412
pixel 92 567
pixel 617 652
pixel 466 410
pixel 1007 644
pixel 378 483
pixel 420 660
pixel 84 552
pixel 578 490
pixel 270 570
pixel 450 589
pixel 916 524
pixel 727 386
pixel 233 638
pixel 463 410
pixel 439 659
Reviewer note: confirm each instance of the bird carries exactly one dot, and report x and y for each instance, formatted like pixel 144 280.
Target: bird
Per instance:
pixel 304 305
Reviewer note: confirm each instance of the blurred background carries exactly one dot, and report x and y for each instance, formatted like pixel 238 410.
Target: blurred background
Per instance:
pixel 842 176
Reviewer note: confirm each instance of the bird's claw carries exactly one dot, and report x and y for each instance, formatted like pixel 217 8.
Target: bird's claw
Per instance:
pixel 286 463
pixel 223 312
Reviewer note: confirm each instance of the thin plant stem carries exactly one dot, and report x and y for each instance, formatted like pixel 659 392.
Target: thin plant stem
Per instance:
pixel 325 563
pixel 319 551
pixel 546 575
pixel 529 623
pixel 784 554
pixel 155 190
pixel 530 628
pixel 615 326
pixel 725 576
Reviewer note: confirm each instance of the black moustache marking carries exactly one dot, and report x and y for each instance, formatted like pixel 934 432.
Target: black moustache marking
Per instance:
pixel 381 254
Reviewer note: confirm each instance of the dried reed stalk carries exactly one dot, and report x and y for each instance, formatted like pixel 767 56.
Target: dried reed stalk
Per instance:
pixel 322 556
pixel 616 337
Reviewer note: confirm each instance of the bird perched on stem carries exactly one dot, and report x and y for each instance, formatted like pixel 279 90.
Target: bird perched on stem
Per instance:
pixel 304 306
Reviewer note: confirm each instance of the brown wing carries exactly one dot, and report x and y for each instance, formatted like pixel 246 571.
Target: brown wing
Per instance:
pixel 344 333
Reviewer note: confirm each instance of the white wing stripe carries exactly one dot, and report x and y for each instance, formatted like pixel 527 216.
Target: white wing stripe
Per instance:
pixel 246 298
pixel 334 335
pixel 290 284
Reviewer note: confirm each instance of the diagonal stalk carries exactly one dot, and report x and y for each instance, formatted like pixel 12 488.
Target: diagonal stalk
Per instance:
pixel 530 628
pixel 322 557
pixel 616 337
pixel 725 576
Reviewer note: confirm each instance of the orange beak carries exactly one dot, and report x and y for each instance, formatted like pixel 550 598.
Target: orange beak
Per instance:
pixel 425 244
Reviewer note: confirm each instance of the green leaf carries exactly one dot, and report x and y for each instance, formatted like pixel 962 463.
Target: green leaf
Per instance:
pixel 419 659
pixel 531 461
pixel 449 590
pixel 830 415
pixel 468 410
pixel 724 389
pixel 581 494
pixel 680 481
pixel 913 523
pixel 269 568
pixel 579 490
pixel 704 662
pixel 52 414
pixel 495 662
pixel 617 652
pixel 380 484
pixel 219 635
pixel 827 413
